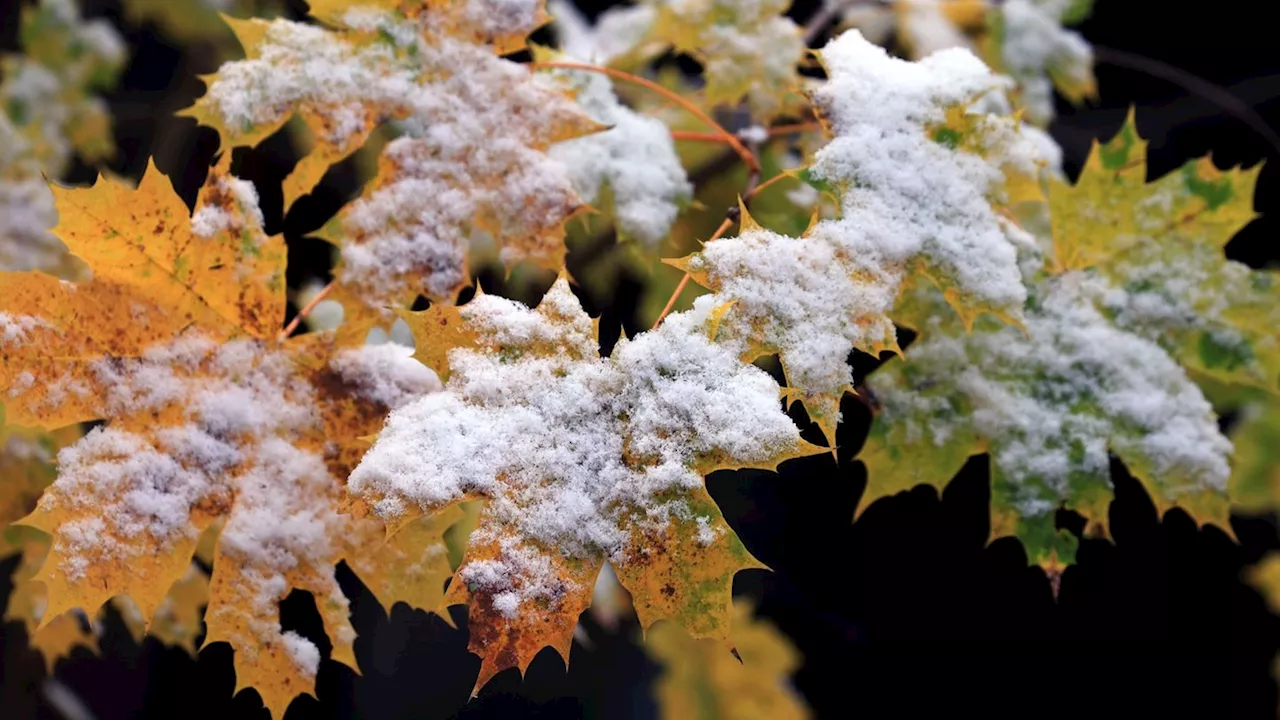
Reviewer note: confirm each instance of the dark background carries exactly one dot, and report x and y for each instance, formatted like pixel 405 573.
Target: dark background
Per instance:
pixel 903 614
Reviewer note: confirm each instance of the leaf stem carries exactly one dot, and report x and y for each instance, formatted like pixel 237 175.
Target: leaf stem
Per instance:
pixel 794 128
pixel 747 156
pixel 760 188
pixel 304 312
pixel 684 281
pixel 697 136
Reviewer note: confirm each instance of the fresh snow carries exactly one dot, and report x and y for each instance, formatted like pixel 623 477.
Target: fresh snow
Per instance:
pixel 476 132
pixel 635 157
pixel 566 445
pixel 812 299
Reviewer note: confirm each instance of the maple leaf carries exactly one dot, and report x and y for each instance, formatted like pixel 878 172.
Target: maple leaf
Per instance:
pixel 26 466
pixel 1047 405
pixel 815 298
pixel 701 679
pixel 210 417
pixel 178 619
pixel 580 460
pixel 26 469
pixel 1265 577
pixel 1027 40
pixel 501 25
pixel 749 51
pixel 411 565
pixel 634 160
pixel 1255 475
pixel 1160 246
pixel 470 166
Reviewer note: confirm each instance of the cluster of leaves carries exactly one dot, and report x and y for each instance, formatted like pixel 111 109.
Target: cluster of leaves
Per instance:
pixel 1055 323
pixel 1027 40
pixel 48 115
pixel 1128 284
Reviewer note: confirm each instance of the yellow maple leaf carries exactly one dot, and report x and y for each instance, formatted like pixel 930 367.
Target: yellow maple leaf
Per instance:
pixel 703 679
pixel 211 416
pixel 26 469
pixel 411 565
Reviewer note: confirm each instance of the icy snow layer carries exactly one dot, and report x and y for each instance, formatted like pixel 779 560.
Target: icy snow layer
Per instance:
pixel 909 204
pixel 1050 403
pixel 635 157
pixel 46 115
pixel 472 161
pixel 572 451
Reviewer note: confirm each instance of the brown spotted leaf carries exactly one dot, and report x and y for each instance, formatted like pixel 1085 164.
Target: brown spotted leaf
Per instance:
pixel 581 459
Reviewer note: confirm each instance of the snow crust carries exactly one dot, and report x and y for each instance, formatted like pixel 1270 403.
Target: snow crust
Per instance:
pixel 14 328
pixel 570 449
pixel 385 373
pixel 304 653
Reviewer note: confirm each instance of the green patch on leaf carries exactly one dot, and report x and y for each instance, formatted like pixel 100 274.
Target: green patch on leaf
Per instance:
pixel 1216 192
pixel 1115 154
pixel 1219 355
pixel 947 136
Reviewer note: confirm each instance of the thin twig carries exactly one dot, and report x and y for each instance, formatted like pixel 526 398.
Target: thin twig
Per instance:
pixel 760 188
pixel 671 301
pixel 794 128
pixel 1195 85
pixel 684 281
pixel 818 22
pixel 753 178
pixel 304 312
pixel 729 138
pixel 697 136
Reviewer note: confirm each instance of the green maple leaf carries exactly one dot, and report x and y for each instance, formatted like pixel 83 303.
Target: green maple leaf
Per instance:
pixel 1159 245
pixel 1050 405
